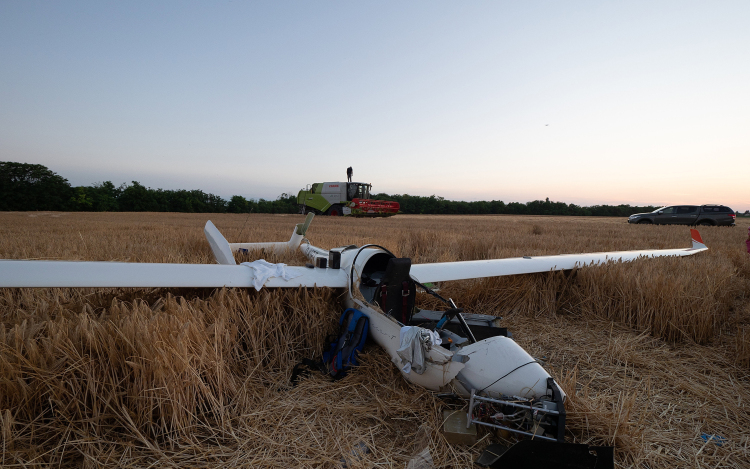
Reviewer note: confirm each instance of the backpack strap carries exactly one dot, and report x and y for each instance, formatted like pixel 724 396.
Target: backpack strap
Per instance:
pixel 335 357
pixel 303 369
pixel 355 339
pixel 342 350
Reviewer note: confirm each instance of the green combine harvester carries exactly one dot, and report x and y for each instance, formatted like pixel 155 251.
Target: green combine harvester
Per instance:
pixel 343 199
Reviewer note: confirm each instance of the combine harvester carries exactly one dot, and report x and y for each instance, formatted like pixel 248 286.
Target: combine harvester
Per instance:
pixel 343 199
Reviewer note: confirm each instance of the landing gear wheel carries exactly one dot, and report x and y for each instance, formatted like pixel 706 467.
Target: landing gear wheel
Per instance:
pixel 334 211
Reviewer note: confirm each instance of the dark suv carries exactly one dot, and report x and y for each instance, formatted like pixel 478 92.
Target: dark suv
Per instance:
pixel 706 215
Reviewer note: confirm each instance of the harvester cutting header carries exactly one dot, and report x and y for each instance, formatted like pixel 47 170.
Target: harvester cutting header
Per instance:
pixel 343 198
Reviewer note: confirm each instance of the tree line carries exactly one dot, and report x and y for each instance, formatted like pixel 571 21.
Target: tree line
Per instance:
pixel 29 187
pixel 438 205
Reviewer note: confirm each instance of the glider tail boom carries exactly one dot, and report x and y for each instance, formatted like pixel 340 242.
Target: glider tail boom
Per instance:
pixel 278 247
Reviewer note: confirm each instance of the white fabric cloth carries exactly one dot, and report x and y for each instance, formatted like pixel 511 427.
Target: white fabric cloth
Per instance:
pixel 434 337
pixel 263 270
pixel 415 342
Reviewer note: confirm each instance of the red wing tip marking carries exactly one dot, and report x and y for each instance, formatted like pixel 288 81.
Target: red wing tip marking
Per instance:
pixel 696 236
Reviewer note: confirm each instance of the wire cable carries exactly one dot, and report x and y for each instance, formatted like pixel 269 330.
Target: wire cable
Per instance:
pixel 239 236
pixel 506 374
pixel 351 270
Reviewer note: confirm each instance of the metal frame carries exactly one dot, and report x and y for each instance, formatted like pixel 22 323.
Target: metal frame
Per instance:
pixel 475 399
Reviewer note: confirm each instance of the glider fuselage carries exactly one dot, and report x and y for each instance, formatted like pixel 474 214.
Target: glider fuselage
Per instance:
pixel 474 366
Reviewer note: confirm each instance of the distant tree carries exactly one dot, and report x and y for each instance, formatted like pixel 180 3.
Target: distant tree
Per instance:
pixel 574 209
pixel 138 198
pixel 238 204
pixel 516 208
pixel 81 200
pixel 215 204
pixel 497 206
pixel 284 203
pixel 104 196
pixel 32 187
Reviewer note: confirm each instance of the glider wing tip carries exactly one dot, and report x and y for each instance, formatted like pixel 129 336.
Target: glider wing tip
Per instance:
pixel 697 240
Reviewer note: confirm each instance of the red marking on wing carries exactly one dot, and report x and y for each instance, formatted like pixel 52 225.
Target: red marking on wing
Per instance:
pixel 696 236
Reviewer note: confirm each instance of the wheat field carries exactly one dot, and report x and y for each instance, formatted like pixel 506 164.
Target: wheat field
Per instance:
pixel 654 355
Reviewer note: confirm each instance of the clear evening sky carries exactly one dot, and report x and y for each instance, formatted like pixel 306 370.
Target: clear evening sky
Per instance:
pixel 582 102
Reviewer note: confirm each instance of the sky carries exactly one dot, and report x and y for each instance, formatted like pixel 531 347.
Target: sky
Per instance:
pixel 638 102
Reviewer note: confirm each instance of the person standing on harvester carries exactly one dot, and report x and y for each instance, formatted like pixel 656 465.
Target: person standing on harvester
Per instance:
pixel 349 172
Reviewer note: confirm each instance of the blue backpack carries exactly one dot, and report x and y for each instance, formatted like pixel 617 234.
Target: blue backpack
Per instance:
pixel 342 354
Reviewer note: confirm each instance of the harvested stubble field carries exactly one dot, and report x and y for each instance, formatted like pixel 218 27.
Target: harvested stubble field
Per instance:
pixel 653 354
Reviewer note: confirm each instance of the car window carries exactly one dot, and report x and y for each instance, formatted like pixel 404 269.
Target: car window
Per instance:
pixel 686 209
pixel 710 208
pixel 668 210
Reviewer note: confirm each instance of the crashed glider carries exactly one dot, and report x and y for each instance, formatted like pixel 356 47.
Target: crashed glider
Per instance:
pixel 465 354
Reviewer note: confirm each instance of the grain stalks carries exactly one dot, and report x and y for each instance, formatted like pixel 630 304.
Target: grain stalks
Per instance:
pixel 653 355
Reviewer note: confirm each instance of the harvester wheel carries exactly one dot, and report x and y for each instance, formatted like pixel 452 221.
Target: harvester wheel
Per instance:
pixel 334 211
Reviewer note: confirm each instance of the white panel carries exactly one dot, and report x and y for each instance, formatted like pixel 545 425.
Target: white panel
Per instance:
pixel 332 188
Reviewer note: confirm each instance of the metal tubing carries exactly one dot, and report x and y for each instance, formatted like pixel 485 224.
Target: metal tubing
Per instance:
pixel 513 430
pixel 513 404
pixel 471 407
pixel 466 329
pixel 464 326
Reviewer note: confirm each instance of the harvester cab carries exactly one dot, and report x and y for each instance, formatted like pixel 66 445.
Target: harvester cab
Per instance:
pixel 357 190
pixel 343 199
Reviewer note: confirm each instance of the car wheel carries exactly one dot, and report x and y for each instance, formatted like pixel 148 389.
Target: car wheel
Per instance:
pixel 645 222
pixel 705 223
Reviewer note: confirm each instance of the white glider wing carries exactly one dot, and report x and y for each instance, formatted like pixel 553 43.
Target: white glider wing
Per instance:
pixel 139 275
pixel 445 271
pixel 20 273
pixel 227 273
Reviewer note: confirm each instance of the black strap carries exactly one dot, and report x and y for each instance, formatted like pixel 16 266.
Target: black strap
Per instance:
pixel 383 297
pixel 303 369
pixel 405 290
